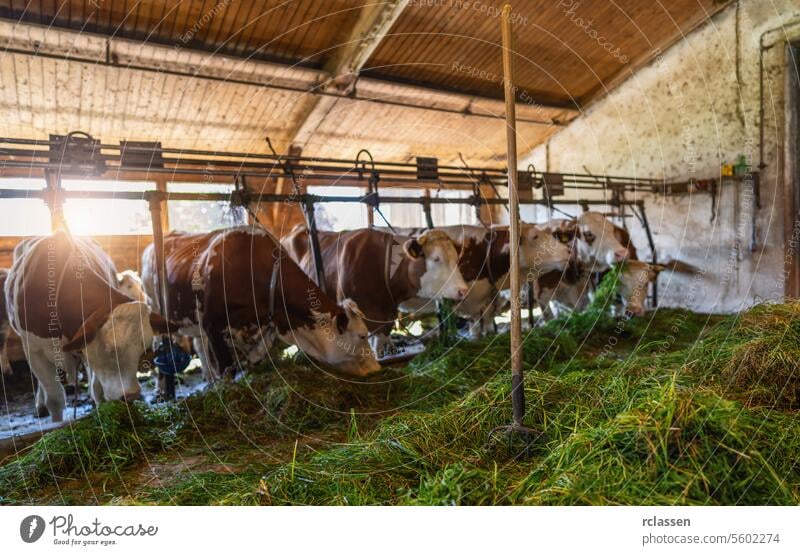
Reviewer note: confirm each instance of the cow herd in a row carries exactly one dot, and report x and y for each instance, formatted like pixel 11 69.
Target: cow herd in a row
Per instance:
pixel 234 292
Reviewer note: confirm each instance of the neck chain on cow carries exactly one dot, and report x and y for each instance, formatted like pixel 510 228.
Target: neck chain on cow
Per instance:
pixel 273 285
pixel 488 260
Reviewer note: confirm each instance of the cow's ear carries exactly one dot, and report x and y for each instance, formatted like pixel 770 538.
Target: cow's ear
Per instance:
pixel 159 323
pixel 413 248
pixel 342 321
pixel 87 332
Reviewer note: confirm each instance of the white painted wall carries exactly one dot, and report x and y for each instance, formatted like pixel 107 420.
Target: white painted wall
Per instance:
pixel 681 117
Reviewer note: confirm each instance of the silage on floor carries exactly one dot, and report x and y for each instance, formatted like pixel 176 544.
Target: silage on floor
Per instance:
pixel 647 411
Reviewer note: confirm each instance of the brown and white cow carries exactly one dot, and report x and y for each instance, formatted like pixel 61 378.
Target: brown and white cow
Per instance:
pixel 128 282
pixel 63 302
pixel 485 260
pixel 634 279
pixel 235 290
pixel 574 288
pixel 598 243
pixel 11 349
pixel 381 270
pixel 574 291
pixel 570 289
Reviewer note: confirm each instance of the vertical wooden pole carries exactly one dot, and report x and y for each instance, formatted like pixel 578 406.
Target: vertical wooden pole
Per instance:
pixel 155 200
pixel 517 389
pixel 55 201
pixel 161 187
pixel 158 248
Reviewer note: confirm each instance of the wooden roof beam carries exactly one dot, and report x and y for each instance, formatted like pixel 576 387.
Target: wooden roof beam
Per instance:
pixel 98 51
pixel 374 22
pixel 343 68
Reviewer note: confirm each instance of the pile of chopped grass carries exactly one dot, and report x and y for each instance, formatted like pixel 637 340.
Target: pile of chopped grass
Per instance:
pixel 206 488
pixel 643 429
pixel 756 356
pixel 108 440
pixel 284 399
pixel 666 417
pixel 605 438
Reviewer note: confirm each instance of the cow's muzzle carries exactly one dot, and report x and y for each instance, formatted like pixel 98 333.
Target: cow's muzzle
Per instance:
pixel 637 311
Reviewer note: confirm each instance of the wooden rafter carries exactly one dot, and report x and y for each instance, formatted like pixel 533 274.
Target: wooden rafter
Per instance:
pixel 101 51
pixel 343 68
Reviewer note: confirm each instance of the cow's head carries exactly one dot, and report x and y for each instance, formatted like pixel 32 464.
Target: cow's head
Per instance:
pixel 339 340
pixel 441 277
pixel 633 281
pixel 598 246
pixel 111 343
pixel 130 284
pixel 540 251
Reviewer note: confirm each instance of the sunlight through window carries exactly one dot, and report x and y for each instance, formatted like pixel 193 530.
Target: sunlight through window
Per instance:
pixel 107 216
pixel 339 216
pixel 200 215
pixel 24 216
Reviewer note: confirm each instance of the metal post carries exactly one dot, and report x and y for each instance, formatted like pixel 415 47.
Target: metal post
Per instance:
pixel 155 200
pixel 426 208
pixel 517 388
pixel 319 270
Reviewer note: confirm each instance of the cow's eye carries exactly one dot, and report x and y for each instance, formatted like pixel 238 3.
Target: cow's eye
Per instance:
pixel 437 259
pixel 588 235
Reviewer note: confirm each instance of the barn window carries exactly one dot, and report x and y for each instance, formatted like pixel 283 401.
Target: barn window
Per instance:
pixel 24 216
pixel 203 215
pixel 453 213
pixel 339 216
pixel 538 213
pixel 112 216
pixel 412 215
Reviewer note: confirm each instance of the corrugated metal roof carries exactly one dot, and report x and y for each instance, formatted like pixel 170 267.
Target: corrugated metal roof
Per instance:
pixel 447 45
pixel 40 96
pixel 566 50
pixel 296 31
